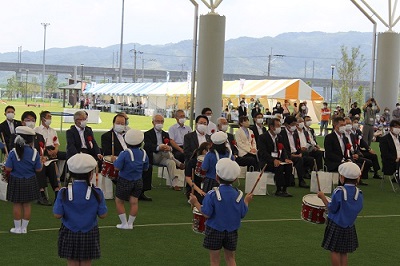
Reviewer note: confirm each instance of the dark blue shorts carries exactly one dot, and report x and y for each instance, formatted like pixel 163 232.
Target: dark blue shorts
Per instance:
pixel 125 188
pixel 215 240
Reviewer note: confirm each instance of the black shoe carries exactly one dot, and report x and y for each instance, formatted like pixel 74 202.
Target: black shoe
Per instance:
pixel 43 201
pixel 286 195
pixel 376 176
pixel 303 185
pixel 361 183
pixel 145 198
pixel 279 193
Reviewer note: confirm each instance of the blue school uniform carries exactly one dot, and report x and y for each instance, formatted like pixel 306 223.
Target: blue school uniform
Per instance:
pixel 132 170
pixel 340 233
pixel 210 161
pixel 79 237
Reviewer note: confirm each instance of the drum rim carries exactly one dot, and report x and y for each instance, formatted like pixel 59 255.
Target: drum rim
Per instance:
pixel 313 205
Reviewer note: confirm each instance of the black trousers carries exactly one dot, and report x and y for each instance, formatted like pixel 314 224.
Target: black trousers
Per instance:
pixel 374 160
pixel 282 175
pixel 302 165
pixel 49 172
pixel 249 160
pixel 147 177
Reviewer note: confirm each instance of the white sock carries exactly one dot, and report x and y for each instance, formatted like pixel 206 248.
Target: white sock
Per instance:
pixel 17 224
pixel 122 217
pixel 24 224
pixel 131 219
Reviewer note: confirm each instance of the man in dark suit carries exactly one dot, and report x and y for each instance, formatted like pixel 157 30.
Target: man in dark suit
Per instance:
pixel 242 109
pixel 365 149
pixel 192 140
pixel 80 138
pixel 7 127
pixel 389 146
pixel 291 143
pixel 158 148
pixel 308 145
pixel 272 153
pixel 112 142
pixel 258 126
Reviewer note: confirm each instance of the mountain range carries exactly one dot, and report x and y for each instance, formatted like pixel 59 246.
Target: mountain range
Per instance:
pixel 293 54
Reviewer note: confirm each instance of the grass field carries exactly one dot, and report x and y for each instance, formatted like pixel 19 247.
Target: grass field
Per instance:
pixel 272 233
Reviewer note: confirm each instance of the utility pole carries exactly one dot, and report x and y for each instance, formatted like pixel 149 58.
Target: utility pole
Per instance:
pixel 135 52
pixel 44 58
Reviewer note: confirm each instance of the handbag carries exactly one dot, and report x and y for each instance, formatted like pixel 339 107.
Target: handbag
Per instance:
pixel 325 181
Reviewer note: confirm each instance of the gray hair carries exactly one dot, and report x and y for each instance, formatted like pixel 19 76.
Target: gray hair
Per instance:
pixel 154 116
pixel 79 114
pixel 219 120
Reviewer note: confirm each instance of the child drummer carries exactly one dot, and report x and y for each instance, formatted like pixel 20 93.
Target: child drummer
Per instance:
pixel 130 163
pixel 347 201
pixel 224 207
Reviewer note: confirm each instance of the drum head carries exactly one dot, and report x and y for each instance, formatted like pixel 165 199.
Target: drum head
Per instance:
pixel 107 158
pixel 313 200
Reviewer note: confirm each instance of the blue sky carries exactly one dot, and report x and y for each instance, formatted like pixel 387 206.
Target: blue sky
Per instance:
pixel 97 22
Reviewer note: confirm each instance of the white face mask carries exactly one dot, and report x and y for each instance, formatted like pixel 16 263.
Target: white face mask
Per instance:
pixel 10 116
pixel 301 125
pixel 396 131
pixel 30 124
pixel 182 120
pixel 277 130
pixel 158 126
pixel 259 120
pixel 47 122
pixel 348 127
pixel 224 128
pixel 202 128
pixel 119 128
pixel 308 123
pixel 292 129
pixel 83 123
pixel 209 117
pixel 342 129
pixel 303 108
pixel 355 126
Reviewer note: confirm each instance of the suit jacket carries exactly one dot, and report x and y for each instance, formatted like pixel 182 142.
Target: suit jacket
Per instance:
pixel 286 143
pixel 38 142
pixel 388 154
pixel 312 134
pixel 255 132
pixel 5 129
pixel 266 146
pixel 150 142
pixel 363 144
pixel 333 152
pixel 242 111
pixel 244 144
pixel 74 143
pixel 106 143
pixel 191 143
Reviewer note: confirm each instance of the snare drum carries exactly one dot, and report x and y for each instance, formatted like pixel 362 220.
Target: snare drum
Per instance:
pixel 107 169
pixel 313 209
pixel 198 171
pixel 199 222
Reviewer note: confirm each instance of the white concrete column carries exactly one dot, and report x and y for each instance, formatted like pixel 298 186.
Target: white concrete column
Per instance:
pixel 210 66
pixel 387 70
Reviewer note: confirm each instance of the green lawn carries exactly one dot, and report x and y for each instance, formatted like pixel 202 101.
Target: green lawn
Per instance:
pixel 271 234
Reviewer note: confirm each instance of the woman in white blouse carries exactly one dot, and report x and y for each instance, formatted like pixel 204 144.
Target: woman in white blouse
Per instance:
pixel 246 145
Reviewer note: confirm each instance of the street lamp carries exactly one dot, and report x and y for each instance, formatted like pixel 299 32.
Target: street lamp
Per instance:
pixel 121 44
pixel 135 52
pixel 270 60
pixel 44 57
pixel 330 103
pixel 26 87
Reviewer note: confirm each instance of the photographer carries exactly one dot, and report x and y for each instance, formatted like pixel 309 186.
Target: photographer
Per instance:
pixel 370 108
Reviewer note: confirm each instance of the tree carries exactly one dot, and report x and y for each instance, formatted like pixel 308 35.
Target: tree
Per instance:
pixel 13 87
pixel 51 85
pixel 349 69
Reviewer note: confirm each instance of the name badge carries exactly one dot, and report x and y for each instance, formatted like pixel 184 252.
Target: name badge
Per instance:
pixel 274 154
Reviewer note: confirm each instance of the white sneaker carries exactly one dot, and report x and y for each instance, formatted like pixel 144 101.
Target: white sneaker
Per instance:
pixel 130 226
pixel 15 230
pixel 123 226
pixel 24 231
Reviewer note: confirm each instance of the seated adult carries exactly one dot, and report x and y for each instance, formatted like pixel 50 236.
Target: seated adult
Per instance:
pixel 272 153
pixel 222 125
pixel 308 145
pixel 112 142
pixel 258 126
pixel 7 127
pixel 291 143
pixel 211 128
pixel 390 149
pixel 80 138
pixel 177 133
pixel 159 150
pixel 194 139
pixel 246 144
pixel 365 149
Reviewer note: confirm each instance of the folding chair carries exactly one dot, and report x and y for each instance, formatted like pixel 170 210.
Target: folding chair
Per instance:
pixel 395 185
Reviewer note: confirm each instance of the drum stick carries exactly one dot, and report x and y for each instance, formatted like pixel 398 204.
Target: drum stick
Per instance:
pixel 57 175
pixel 316 175
pixel 362 169
pixel 191 205
pixel 112 147
pixel 258 179
pixel 5 144
pixel 97 175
